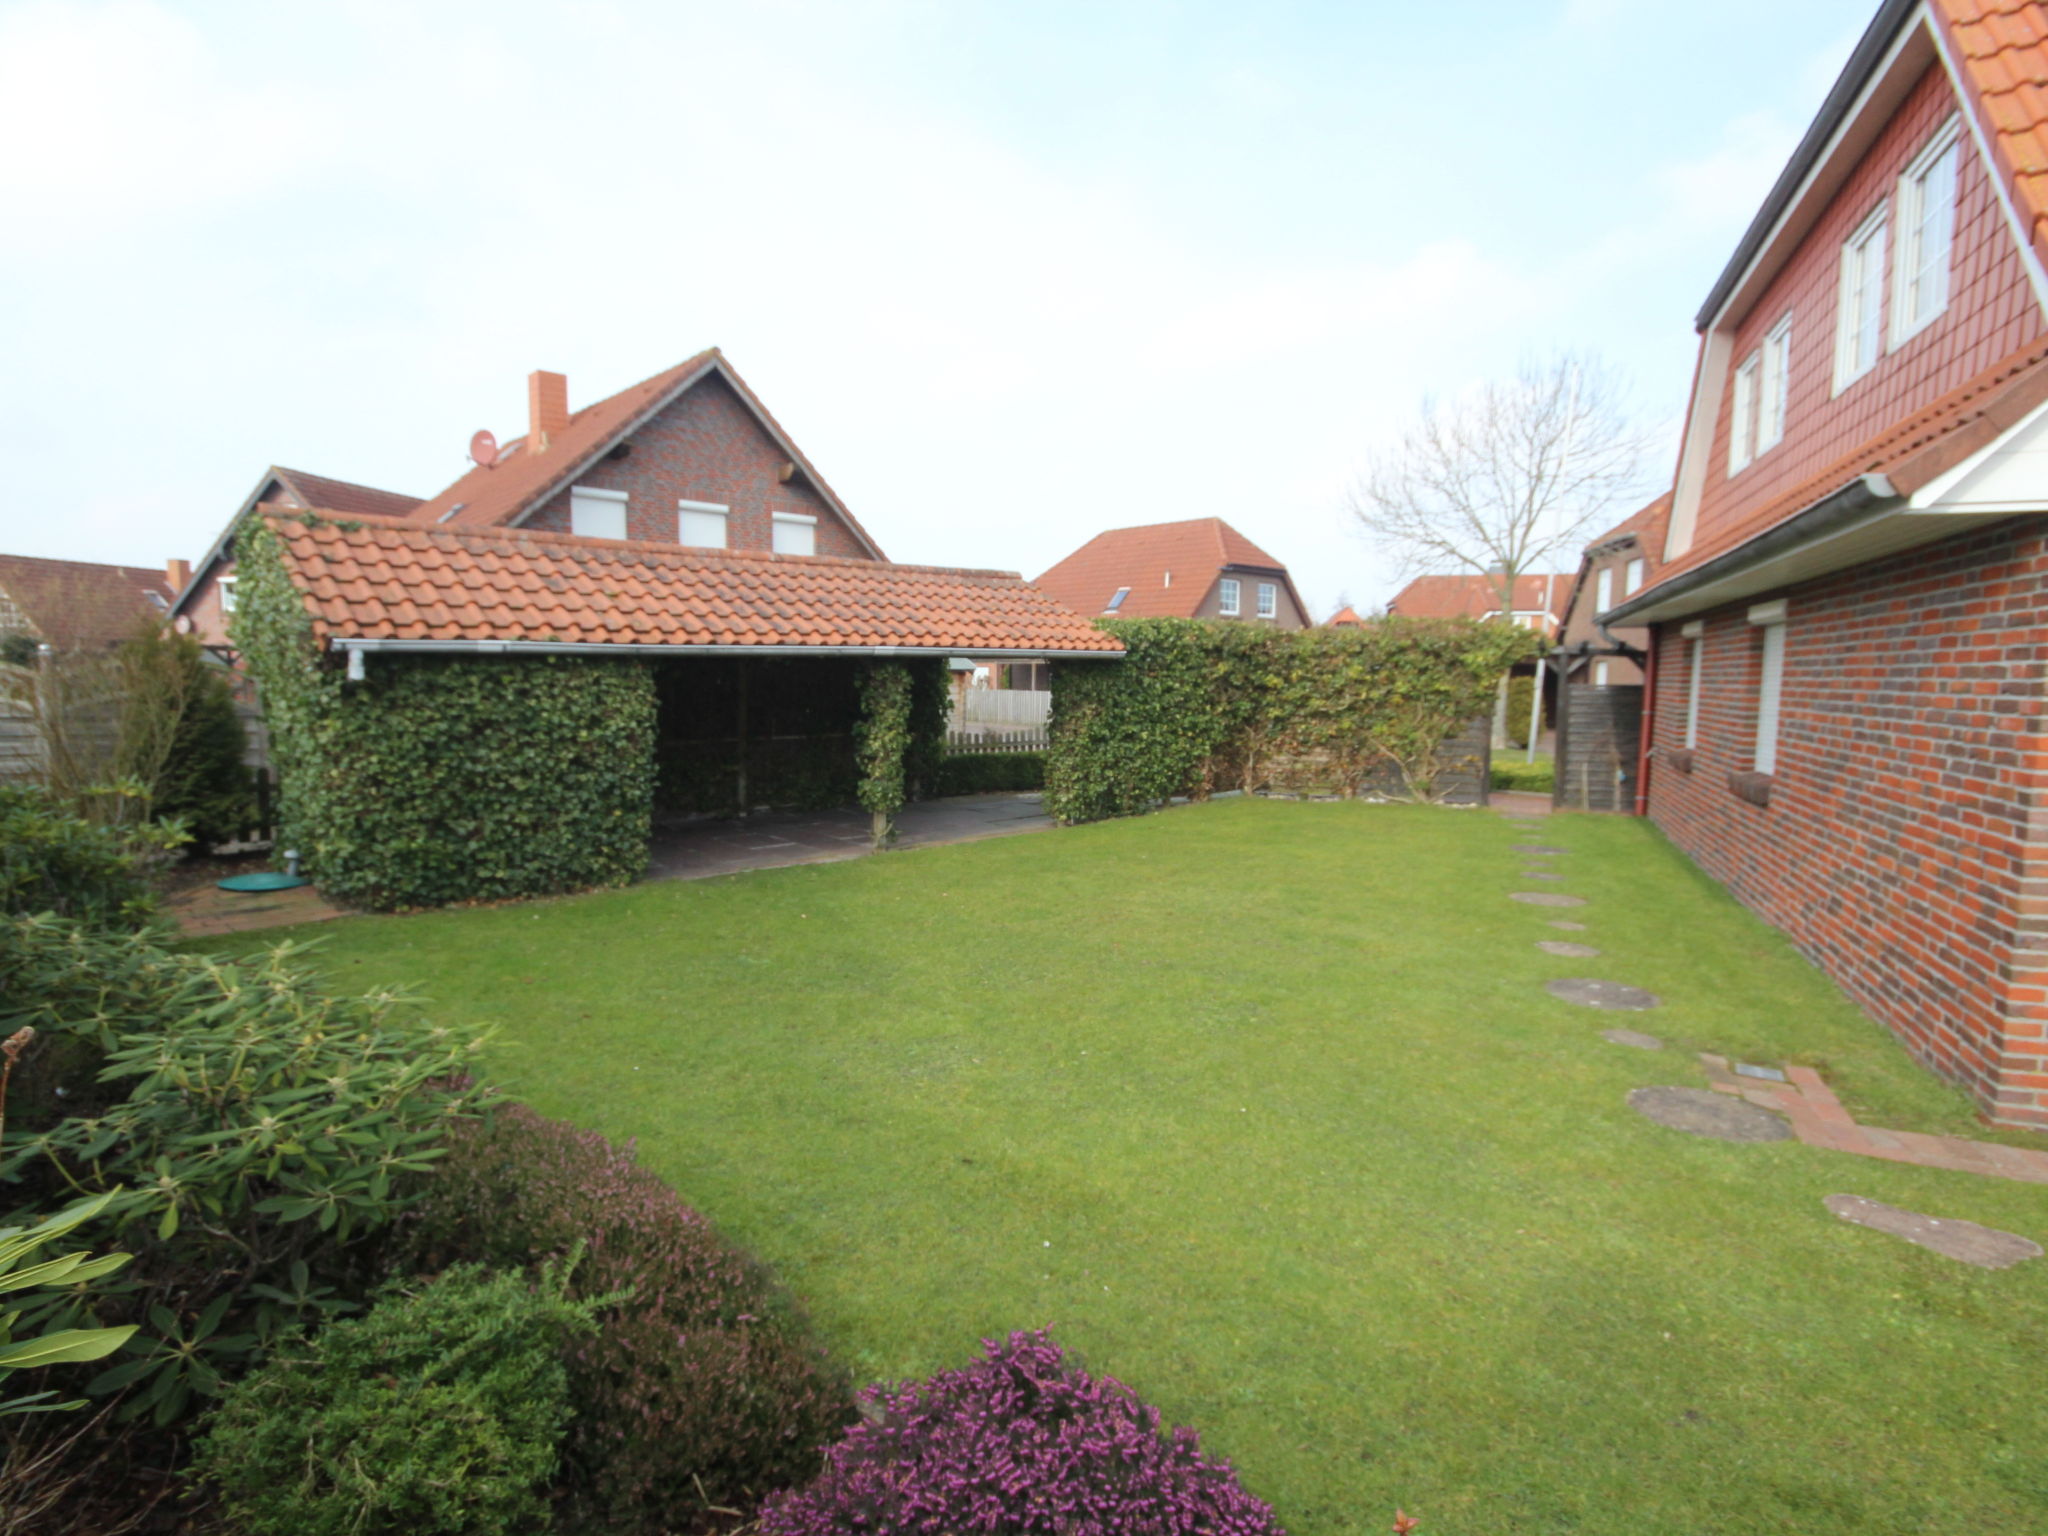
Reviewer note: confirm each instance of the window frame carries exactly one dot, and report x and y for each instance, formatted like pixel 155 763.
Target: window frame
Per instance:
pixel 1908 264
pixel 1742 413
pixel 777 521
pixel 1268 600
pixel 620 500
pixel 1229 597
pixel 721 510
pixel 1632 576
pixel 1116 599
pixel 1696 634
pixel 1770 686
pixel 226 587
pixel 1873 234
pixel 1773 385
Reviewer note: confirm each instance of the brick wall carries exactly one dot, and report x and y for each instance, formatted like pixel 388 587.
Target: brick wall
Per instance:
pixel 707 446
pixel 1991 314
pixel 1901 848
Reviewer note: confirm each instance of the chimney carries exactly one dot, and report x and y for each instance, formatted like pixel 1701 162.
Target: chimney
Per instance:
pixel 547 408
pixel 178 573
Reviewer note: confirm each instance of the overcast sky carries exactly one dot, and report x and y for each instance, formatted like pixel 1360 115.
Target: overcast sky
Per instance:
pixel 1009 273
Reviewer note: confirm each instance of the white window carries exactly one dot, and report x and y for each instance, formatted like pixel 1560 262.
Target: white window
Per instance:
pixel 1603 590
pixel 1599 674
pixel 1226 592
pixel 1742 414
pixel 1859 318
pixel 1269 600
pixel 1927 222
pixel 795 534
pixel 1116 599
pixel 1770 390
pixel 1696 633
pixel 595 514
pixel 227 594
pixel 1634 578
pixel 1770 617
pixel 702 523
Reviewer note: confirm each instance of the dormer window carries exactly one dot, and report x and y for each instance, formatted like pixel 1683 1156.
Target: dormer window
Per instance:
pixel 1927 221
pixel 1269 600
pixel 1116 599
pixel 1859 320
pixel 1227 599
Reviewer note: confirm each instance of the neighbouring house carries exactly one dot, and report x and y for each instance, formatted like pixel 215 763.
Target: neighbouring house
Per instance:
pixel 1199 569
pixel 1538 600
pixel 1848 721
pixel 1344 618
pixel 1598 672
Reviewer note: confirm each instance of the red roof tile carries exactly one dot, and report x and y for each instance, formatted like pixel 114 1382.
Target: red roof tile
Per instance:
pixel 1344 618
pixel 520 481
pixel 2002 53
pixel 1142 559
pixel 344 495
pixel 70 603
pixel 383 579
pixel 1474 596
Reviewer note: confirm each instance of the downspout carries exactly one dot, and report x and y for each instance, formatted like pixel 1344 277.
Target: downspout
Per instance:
pixel 1649 719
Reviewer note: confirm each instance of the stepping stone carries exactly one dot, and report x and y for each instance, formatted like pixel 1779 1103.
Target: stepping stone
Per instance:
pixel 1567 925
pixel 1536 848
pixel 1634 1037
pixel 1985 1247
pixel 1547 899
pixel 1541 874
pixel 1766 1074
pixel 1602 994
pixel 1570 951
pixel 1702 1112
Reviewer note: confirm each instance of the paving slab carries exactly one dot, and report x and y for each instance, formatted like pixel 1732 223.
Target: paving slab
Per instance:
pixel 1700 1112
pixel 1566 924
pixel 1566 948
pixel 1546 899
pixel 1541 874
pixel 1985 1247
pixel 1542 848
pixel 1632 1037
pixel 1602 994
pixel 778 839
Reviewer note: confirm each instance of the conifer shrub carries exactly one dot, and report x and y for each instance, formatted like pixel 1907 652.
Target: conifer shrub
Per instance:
pixel 704 1382
pixel 1023 1442
pixel 437 1413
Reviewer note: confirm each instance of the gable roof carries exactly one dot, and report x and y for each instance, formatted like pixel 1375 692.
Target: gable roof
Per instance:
pixel 1344 618
pixel 342 495
pixel 73 604
pixel 1643 529
pixel 380 583
pixel 1191 553
pixel 1475 596
pixel 506 491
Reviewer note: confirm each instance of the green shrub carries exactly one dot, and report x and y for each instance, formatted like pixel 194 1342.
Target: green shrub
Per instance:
pixel 1194 707
pixel 24 1284
pixel 54 861
pixel 436 1414
pixel 1539 777
pixel 434 781
pixel 203 781
pixel 1519 691
pixel 704 1381
pixel 985 773
pixel 253 1133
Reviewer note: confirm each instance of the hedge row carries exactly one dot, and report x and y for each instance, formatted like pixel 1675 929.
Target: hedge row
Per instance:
pixel 987 773
pixel 1195 707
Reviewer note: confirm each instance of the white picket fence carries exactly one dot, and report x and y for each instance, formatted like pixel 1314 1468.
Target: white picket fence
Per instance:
pixel 1002 706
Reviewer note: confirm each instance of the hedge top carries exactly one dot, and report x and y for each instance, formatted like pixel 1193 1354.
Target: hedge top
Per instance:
pixel 405 586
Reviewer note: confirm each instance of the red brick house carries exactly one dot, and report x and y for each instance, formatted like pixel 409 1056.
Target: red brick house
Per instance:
pixel 1597 672
pixel 1847 722
pixel 1538 599
pixel 1199 569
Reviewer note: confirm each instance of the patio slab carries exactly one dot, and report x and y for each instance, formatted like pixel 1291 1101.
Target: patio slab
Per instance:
pixel 776 839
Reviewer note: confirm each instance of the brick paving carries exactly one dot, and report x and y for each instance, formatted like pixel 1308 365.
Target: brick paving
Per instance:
pixel 1518 802
pixel 1818 1119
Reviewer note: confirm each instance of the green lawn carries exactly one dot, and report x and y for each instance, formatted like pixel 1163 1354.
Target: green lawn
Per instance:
pixel 1263 1105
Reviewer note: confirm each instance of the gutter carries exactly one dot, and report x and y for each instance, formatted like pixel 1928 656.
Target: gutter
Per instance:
pixel 356 650
pixel 1830 514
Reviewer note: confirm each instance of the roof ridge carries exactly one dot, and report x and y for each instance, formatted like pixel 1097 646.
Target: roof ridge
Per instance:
pixel 280 469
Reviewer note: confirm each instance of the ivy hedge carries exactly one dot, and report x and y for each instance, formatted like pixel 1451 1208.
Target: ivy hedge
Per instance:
pixel 987 773
pixel 433 781
pixel 1197 706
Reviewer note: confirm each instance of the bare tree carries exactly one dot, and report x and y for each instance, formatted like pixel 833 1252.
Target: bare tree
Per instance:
pixel 1508 478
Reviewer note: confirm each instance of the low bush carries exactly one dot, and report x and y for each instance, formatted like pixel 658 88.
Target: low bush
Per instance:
pixel 436 1414
pixel 251 1131
pixel 1539 777
pixel 704 1383
pixel 1020 1443
pixel 987 773
pixel 52 860
pixel 1520 701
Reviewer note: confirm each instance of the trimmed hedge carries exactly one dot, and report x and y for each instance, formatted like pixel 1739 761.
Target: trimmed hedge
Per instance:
pixel 988 773
pixel 436 781
pixel 1197 706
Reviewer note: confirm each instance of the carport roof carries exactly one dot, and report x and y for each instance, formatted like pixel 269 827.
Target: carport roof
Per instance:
pixel 390 584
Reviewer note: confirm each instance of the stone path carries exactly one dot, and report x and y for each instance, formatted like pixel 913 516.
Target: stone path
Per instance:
pixel 1818 1119
pixel 1519 802
pixel 1985 1247
pixel 1594 993
pixel 1700 1113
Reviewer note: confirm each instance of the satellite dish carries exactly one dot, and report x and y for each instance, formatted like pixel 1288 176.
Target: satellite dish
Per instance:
pixel 483 448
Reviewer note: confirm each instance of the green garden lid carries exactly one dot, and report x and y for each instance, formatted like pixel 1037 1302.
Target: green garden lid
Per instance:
pixel 263 882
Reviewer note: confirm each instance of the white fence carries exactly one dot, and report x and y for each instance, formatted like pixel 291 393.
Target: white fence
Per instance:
pixel 1002 706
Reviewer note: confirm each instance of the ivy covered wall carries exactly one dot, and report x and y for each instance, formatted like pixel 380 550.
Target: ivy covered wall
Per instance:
pixel 1196 707
pixel 438 780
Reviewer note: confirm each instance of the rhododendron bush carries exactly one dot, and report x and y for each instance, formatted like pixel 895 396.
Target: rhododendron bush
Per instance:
pixel 1022 1441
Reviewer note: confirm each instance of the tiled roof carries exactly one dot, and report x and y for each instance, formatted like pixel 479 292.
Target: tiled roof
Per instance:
pixel 1344 618
pixel 1190 553
pixel 376 578
pixel 72 603
pixel 520 481
pixel 1449 597
pixel 1909 454
pixel 344 495
pixel 1646 523
pixel 2002 51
